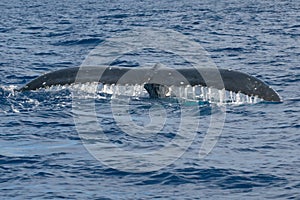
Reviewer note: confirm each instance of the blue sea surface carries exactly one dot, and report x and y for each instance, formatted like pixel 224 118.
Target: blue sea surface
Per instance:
pixel 42 155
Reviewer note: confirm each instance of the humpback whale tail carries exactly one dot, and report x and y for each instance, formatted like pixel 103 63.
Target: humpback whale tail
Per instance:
pixel 156 81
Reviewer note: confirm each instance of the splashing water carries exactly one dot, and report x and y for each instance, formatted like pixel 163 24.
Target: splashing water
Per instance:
pixel 185 93
pixel 13 101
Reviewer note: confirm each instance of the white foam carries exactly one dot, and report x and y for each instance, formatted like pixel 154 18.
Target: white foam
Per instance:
pixel 187 93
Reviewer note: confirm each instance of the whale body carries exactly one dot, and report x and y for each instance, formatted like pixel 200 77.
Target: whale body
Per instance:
pixel 156 80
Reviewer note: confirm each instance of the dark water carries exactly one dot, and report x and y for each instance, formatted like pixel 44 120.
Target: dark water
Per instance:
pixel 42 155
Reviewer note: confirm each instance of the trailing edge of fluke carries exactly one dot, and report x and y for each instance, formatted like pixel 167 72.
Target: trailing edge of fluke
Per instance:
pixel 157 79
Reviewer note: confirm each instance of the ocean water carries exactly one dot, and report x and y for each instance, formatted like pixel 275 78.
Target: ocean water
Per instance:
pixel 49 144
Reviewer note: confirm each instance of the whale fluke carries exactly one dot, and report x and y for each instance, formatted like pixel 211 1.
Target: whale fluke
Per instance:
pixel 156 80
